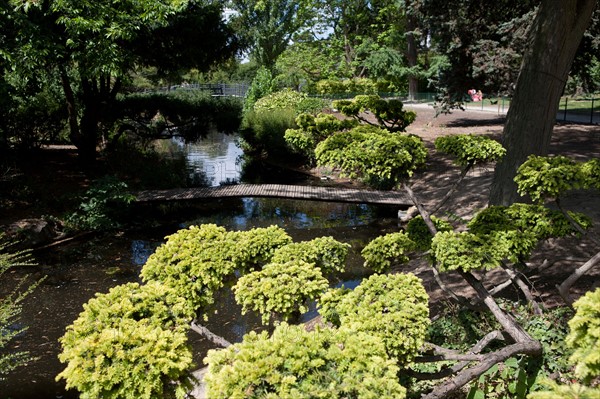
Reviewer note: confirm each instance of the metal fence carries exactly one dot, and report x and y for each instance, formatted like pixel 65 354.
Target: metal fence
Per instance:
pixel 215 89
pixel 579 110
pixel 582 110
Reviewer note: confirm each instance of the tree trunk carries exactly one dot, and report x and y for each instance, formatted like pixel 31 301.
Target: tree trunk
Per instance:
pixel 90 118
pixel 556 34
pixel 74 133
pixel 411 56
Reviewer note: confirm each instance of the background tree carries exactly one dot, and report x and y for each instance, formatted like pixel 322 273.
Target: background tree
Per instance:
pixel 481 41
pixel 268 26
pixel 93 46
pixel 374 39
pixel 585 71
pixel 555 37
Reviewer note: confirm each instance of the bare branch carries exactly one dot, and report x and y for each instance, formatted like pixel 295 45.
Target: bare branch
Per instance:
pixel 452 190
pixel 500 287
pixel 447 372
pixel 563 289
pixel 523 287
pixel 463 357
pixel 507 322
pixel 529 347
pixel 422 211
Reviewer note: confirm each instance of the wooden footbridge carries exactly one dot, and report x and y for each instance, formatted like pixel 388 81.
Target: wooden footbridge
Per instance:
pixel 311 193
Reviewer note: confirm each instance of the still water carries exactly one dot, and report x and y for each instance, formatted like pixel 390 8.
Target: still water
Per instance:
pixel 214 160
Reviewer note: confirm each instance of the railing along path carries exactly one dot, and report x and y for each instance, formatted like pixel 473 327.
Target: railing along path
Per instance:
pixel 314 193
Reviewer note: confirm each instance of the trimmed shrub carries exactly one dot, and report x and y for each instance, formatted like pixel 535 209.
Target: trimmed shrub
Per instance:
pixel 295 363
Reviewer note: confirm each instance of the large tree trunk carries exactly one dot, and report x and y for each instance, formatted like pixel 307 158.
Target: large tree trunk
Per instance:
pixel 556 34
pixel 85 117
pixel 411 56
pixel 74 133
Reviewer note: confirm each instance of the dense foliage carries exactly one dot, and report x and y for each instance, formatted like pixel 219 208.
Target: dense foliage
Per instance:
pixel 257 246
pixel 331 87
pixel 289 99
pixel 585 336
pixel 314 129
pixel 186 113
pixel 292 362
pixel 498 232
pixel 326 253
pixel 584 340
pixel 392 308
pixel 280 288
pixel 382 251
pixel 294 276
pixel 130 343
pixel 380 158
pixel 544 178
pixel 102 206
pixel 11 304
pixel 466 251
pixel 390 114
pixel 194 261
pixel 266 122
pixel 90 48
pixel 468 149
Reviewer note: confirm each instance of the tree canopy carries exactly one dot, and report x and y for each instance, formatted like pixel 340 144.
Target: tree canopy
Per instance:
pixel 93 46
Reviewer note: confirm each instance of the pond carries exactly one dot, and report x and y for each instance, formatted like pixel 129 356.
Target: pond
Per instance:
pixel 214 160
pixel 217 159
pixel 75 272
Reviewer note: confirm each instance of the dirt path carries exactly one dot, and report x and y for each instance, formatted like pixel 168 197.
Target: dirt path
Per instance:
pixel 555 259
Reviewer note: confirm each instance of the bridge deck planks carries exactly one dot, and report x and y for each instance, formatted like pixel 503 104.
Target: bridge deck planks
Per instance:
pixel 314 193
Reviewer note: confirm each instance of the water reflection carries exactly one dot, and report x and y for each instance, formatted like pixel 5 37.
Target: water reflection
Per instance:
pixel 247 213
pixel 213 160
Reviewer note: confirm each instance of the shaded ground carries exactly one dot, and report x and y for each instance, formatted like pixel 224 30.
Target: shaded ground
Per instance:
pixel 49 178
pixel 555 259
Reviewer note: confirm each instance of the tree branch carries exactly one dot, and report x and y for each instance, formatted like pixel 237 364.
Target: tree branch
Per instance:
pixel 565 286
pixel 529 347
pixel 432 229
pixel 523 287
pixel 447 372
pixel 507 322
pixel 205 332
pixel 422 211
pixel 452 190
pixel 500 287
